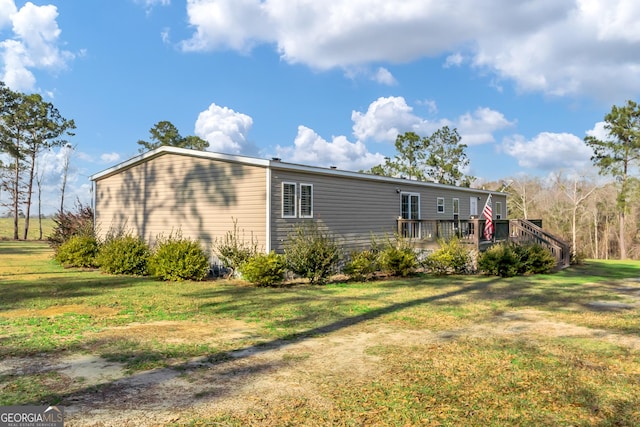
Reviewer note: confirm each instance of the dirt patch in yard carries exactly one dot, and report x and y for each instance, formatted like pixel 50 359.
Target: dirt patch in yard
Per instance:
pixel 181 332
pixel 60 310
pixel 105 395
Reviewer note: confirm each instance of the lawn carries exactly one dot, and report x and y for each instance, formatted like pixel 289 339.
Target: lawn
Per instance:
pixel 548 350
pixel 6 228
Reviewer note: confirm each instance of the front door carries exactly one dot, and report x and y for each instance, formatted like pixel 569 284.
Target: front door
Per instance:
pixel 410 210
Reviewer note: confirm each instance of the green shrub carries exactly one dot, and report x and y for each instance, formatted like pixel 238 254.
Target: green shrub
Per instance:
pixel 500 260
pixel 538 260
pixel 265 269
pixel 78 251
pixel 362 265
pixel 176 258
pixel 510 260
pixel 451 257
pixel 312 253
pixel 69 224
pixel 124 255
pixel 398 258
pixel 233 250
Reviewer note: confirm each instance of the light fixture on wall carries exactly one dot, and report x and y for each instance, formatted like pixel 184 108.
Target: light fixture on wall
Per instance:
pixel 398 190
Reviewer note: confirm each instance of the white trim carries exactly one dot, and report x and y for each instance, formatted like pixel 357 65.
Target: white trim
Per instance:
pixel 295 200
pixel 182 152
pixel 267 237
pixel 453 206
pixel 300 185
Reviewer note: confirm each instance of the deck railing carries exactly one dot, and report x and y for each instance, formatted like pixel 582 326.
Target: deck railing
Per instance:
pixel 471 231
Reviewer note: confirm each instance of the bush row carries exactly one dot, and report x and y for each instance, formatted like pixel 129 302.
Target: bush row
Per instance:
pixel 309 252
pixel 172 258
pixel 315 255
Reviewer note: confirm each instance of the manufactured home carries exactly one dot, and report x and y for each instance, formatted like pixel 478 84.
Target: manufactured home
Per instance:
pixel 203 194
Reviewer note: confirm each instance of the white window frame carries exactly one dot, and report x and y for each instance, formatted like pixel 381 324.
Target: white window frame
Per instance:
pixel 300 204
pixel 440 203
pixel 498 210
pixel 456 206
pixel 295 200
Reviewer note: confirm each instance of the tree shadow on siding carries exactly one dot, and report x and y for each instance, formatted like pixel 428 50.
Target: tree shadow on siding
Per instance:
pixel 152 190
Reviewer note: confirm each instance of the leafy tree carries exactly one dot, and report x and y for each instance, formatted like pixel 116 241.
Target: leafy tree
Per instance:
pixel 46 129
pixel 165 133
pixel 617 155
pixel 439 157
pixel 447 158
pixel 28 125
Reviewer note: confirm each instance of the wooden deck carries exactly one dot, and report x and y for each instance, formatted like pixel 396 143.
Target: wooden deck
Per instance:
pixel 427 233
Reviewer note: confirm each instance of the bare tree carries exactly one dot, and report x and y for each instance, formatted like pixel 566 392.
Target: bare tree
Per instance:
pixel 576 189
pixel 66 162
pixel 524 192
pixel 39 179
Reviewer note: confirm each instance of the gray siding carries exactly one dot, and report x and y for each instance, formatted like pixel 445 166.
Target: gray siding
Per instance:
pixel 172 192
pixel 355 208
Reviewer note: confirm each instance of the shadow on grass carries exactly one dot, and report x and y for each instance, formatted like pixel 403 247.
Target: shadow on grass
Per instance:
pixel 24 247
pixel 113 389
pixel 66 286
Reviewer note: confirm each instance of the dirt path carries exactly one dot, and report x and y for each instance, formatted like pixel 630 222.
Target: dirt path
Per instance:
pixel 251 376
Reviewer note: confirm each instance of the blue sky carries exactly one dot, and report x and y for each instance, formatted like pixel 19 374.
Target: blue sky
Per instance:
pixel 326 83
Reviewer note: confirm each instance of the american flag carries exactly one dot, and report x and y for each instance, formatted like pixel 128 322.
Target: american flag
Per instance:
pixel 487 213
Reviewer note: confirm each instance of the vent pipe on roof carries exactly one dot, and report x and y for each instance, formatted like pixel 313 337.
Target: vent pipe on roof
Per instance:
pixel 276 159
pixel 333 167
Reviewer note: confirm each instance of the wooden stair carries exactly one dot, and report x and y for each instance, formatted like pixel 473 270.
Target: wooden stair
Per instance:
pixel 523 231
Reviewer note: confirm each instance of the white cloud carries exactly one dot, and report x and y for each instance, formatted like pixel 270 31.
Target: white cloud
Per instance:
pixel 599 131
pixel 310 148
pixel 432 106
pixel 386 118
pixel 7 9
pixel 34 46
pixel 151 3
pixel 454 60
pixel 109 157
pixel 224 129
pixel 384 76
pixel 558 47
pixel 549 151
pixel 478 127
pixel 235 24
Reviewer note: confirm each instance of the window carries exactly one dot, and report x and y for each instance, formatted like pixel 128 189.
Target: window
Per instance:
pixel 456 206
pixel 498 210
pixel 306 201
pixel 288 200
pixel 440 204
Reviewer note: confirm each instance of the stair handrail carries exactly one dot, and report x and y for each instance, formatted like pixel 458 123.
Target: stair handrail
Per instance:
pixel 560 248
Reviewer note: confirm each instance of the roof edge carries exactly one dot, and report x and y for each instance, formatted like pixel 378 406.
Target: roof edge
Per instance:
pixel 179 151
pixel 272 164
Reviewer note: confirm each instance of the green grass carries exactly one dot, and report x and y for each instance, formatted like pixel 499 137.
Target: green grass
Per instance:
pixel 468 379
pixel 7 226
